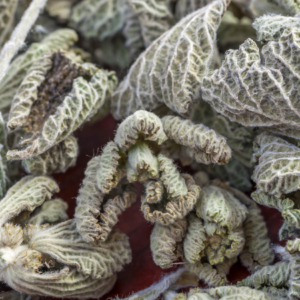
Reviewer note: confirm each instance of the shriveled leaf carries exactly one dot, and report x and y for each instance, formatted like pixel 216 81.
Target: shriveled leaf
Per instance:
pixel 218 205
pixel 170 69
pixel 53 211
pixel 8 8
pixel 58 40
pixel 66 283
pixel 26 195
pixel 63 243
pixel 276 276
pixel 142 164
pixel 170 209
pixel 259 90
pixel 271 27
pixel 108 174
pixel 88 201
pixel 194 241
pixel 101 19
pixel 203 141
pixel 166 242
pixel 55 160
pixel 78 106
pixel 141 123
pixel 278 165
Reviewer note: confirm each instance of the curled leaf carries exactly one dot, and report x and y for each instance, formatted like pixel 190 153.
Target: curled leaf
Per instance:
pixel 141 123
pixel 166 242
pixel 257 90
pixel 203 142
pixel 26 195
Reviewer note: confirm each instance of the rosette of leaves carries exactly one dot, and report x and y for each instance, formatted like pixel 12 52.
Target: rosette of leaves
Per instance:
pixel 277 176
pixel 258 90
pixel 43 260
pixel 58 94
pixel 7 13
pixel 154 79
pixel 61 39
pixel 215 238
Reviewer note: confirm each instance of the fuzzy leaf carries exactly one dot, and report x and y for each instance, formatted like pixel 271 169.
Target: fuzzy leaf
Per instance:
pixel 63 243
pixel 55 160
pixel 194 240
pixel 154 16
pixel 58 40
pixel 168 209
pixel 278 165
pixel 141 123
pixel 8 8
pixel 276 276
pixel 259 90
pixel 154 79
pixel 202 140
pixel 108 174
pixel 53 211
pixel 165 242
pixel 101 19
pixel 271 27
pixel 26 195
pixel 77 107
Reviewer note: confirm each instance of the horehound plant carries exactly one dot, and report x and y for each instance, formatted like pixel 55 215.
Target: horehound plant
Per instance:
pixel 137 154
pixel 187 97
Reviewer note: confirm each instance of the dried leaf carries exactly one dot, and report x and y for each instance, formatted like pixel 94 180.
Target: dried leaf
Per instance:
pixel 62 242
pixel 27 194
pixel 153 78
pixel 8 8
pixel 55 160
pixel 141 123
pixel 100 19
pixel 53 211
pixel 259 90
pixel 166 241
pixel 86 96
pixel 203 141
pixel 58 40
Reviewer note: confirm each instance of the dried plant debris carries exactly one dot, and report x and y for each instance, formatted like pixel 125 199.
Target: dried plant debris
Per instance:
pixel 161 62
pixel 259 90
pixel 58 40
pixel 64 95
pixel 8 8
